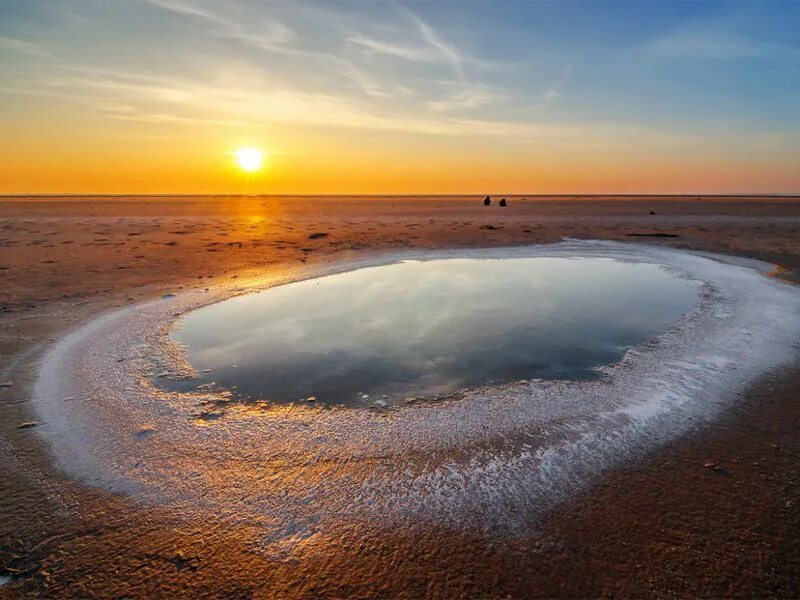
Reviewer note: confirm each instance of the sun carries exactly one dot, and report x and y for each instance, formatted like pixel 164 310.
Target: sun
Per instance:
pixel 249 159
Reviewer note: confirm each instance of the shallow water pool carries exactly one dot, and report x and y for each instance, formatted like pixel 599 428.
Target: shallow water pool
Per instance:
pixel 383 335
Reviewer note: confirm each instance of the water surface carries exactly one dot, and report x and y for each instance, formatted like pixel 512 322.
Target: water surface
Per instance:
pixel 428 328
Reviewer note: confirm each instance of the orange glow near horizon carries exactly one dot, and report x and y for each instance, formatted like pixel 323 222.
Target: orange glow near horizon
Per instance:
pixel 195 162
pixel 88 154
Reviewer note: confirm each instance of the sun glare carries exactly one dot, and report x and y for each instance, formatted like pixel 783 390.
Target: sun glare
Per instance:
pixel 249 159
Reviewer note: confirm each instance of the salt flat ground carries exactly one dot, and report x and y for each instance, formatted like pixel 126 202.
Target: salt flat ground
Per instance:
pixel 666 526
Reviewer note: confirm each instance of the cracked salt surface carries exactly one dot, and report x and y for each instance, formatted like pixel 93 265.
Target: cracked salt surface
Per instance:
pixel 490 460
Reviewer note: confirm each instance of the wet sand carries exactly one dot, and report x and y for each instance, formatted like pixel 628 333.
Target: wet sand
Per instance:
pixel 668 526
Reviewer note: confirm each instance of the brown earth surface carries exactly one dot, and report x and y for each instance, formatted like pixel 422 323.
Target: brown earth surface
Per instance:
pixel 664 527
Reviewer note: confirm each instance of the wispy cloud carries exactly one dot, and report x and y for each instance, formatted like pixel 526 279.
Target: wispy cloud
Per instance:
pixel 277 37
pixel 555 88
pixel 719 45
pixel 355 94
pixel 271 34
pixel 432 37
pixel 465 91
pixel 24 47
pixel 468 96
pixel 418 54
pixel 432 47
pixel 211 103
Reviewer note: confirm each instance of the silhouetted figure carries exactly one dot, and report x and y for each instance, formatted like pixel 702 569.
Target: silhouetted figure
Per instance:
pixel 503 202
pixel 487 201
pixel 652 212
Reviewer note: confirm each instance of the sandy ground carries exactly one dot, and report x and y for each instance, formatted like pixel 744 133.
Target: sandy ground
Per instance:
pixel 666 527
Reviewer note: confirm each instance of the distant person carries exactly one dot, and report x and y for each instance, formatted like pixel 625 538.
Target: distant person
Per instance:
pixel 487 201
pixel 503 202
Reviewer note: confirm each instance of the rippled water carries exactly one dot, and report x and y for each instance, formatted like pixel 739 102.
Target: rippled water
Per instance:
pixel 428 328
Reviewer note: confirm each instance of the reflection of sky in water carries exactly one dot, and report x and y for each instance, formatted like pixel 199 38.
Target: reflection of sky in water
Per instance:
pixel 430 327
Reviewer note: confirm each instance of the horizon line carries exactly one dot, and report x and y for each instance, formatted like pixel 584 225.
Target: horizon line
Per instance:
pixel 402 195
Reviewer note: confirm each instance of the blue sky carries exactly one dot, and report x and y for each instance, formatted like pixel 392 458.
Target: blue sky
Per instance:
pixel 658 80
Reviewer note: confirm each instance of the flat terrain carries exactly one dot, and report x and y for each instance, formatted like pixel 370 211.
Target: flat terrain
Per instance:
pixel 666 527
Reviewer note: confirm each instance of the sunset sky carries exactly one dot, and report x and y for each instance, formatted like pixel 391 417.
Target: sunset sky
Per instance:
pixel 156 96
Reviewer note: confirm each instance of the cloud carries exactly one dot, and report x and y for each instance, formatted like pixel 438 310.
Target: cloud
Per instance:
pixel 462 93
pixel 307 80
pixel 467 97
pixel 271 35
pixel 551 95
pixel 434 40
pixel 24 47
pixel 423 54
pixel 212 103
pixel 377 85
pixel 185 9
pixel 278 38
pixel 719 45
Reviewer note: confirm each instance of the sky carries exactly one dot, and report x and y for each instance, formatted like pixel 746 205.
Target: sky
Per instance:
pixel 155 96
